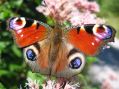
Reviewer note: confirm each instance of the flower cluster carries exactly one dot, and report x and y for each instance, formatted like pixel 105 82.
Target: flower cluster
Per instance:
pixel 51 84
pixel 32 84
pixel 77 12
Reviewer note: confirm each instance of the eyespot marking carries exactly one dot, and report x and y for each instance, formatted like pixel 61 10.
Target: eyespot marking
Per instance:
pixel 19 21
pixel 31 55
pixel 102 31
pixel 72 52
pixel 37 46
pixel 110 32
pixel 75 63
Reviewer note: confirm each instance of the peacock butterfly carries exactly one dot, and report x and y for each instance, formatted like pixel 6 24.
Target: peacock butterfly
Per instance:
pixel 57 51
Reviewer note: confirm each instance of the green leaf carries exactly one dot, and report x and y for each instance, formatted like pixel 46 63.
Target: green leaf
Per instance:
pixel 50 21
pixel 2 45
pixel 16 3
pixel 2 86
pixel 15 67
pixel 3 72
pixel 16 51
pixel 4 15
pixel 91 59
pixel 36 76
pixel 37 1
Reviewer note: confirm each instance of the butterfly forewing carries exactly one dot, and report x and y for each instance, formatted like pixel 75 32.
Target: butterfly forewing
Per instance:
pixel 28 31
pixel 90 38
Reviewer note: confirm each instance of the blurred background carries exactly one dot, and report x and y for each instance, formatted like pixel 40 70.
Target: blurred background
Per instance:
pixel 99 72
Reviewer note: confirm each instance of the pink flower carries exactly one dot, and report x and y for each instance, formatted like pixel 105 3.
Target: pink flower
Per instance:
pixel 51 84
pixel 87 6
pixel 94 7
pixel 85 18
pixel 32 84
pixel 77 12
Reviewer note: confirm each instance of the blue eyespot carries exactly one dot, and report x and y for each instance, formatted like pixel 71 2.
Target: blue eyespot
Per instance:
pixel 104 33
pixel 75 63
pixel 30 55
pixel 109 32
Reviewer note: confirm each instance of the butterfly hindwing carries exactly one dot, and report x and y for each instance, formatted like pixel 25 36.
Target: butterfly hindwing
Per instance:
pixel 90 38
pixel 27 31
pixel 36 56
pixel 68 62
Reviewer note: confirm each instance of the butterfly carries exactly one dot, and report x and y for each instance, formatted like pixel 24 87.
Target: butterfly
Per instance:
pixel 58 51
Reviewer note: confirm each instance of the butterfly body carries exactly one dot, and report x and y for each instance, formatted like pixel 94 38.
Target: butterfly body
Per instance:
pixel 56 51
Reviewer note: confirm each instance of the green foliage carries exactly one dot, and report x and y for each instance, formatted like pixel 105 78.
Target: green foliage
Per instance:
pixel 1 86
pixel 13 70
pixel 110 12
pixel 36 76
pixel 91 59
pixel 86 83
pixel 109 7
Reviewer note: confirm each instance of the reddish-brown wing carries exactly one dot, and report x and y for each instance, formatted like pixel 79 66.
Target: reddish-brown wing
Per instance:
pixel 90 38
pixel 27 31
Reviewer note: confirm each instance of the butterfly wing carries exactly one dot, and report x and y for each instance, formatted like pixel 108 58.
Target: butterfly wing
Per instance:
pixel 90 38
pixel 69 59
pixel 60 59
pixel 69 62
pixel 37 58
pixel 33 36
pixel 27 31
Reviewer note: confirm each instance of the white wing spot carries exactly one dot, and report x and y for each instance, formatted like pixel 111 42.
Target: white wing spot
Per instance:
pixel 19 31
pixel 93 43
pixel 22 35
